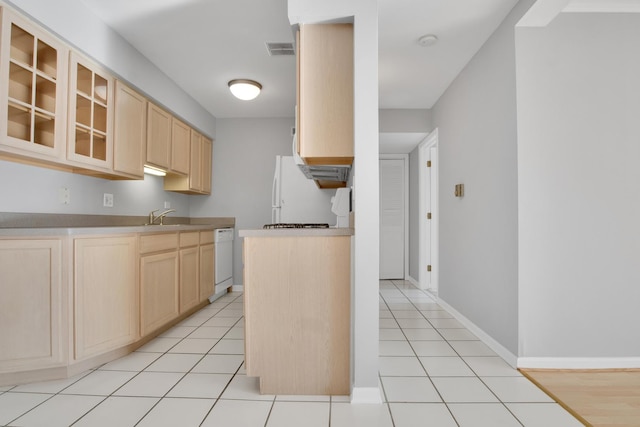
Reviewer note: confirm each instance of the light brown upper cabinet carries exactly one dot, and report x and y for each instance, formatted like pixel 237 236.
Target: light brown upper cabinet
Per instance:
pixel 207 159
pixel 158 137
pixel 199 179
pixel 33 76
pixel 168 146
pixel 90 132
pixel 325 94
pixel 130 131
pixel 180 147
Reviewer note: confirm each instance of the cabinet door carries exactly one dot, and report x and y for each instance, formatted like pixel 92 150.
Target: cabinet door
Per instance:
pixel 90 132
pixel 207 160
pixel 325 87
pixel 158 290
pixel 158 137
pixel 106 305
pixel 189 273
pixel 180 146
pixel 206 271
pixel 31 305
pixel 33 74
pixel 130 131
pixel 195 175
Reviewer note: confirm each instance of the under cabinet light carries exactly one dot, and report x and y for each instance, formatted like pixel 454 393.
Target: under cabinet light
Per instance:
pixel 154 171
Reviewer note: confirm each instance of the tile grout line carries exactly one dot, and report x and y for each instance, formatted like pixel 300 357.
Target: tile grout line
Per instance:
pixel 421 364
pixel 166 352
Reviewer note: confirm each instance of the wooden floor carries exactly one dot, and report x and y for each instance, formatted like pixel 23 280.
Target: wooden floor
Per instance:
pixel 597 398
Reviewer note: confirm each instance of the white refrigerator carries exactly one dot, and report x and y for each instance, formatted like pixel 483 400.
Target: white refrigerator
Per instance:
pixel 297 199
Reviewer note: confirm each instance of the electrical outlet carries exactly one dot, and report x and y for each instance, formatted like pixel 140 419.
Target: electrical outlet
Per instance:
pixel 167 205
pixel 107 200
pixel 64 195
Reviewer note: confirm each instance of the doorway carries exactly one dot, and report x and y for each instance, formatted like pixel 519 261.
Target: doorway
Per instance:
pixel 429 219
pixel 394 222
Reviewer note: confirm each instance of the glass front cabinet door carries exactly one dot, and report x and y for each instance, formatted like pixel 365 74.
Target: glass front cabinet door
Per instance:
pixel 90 131
pixel 33 73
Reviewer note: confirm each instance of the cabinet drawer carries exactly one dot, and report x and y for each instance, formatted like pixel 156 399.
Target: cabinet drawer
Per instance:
pixel 189 239
pixel 206 237
pixel 158 242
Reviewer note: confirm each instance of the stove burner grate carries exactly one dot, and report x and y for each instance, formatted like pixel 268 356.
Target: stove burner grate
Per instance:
pixel 288 225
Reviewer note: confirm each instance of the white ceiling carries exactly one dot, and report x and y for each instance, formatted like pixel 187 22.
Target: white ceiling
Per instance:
pixel 202 44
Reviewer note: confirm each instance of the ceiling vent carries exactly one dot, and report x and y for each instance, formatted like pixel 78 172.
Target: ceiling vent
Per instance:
pixel 280 49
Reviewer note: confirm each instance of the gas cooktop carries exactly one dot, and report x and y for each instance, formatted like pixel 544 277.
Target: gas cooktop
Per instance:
pixel 289 225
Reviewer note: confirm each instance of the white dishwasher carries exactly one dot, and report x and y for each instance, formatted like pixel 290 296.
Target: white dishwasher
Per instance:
pixel 223 261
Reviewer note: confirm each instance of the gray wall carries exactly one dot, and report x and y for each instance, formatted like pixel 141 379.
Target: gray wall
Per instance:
pixel 413 121
pixel 579 186
pixel 243 167
pixel 405 120
pixel 34 189
pixel 74 23
pixel 476 121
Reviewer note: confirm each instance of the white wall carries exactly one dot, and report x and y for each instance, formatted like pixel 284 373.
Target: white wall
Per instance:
pixel 74 22
pixel 33 189
pixel 243 166
pixel 476 121
pixel 579 187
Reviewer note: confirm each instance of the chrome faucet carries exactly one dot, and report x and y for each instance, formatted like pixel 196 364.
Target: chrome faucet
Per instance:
pixel 153 218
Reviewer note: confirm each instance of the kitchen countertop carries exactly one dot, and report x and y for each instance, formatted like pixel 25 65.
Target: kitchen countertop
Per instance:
pixel 296 232
pixel 34 224
pixel 119 229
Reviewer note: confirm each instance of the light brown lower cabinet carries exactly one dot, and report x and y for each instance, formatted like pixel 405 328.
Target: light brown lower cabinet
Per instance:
pixel 297 313
pixel 189 270
pixel 159 282
pixel 32 308
pixel 106 306
pixel 70 303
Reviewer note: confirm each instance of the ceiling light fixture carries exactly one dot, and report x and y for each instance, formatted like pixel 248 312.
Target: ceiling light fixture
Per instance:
pixel 428 40
pixel 245 89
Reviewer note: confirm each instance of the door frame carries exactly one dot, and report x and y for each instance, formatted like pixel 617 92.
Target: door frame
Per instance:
pixel 405 158
pixel 427 187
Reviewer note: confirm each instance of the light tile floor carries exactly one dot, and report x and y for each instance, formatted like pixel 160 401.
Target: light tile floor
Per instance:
pixel 433 372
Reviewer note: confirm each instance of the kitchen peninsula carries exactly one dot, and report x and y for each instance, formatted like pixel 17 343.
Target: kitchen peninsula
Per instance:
pixel 297 285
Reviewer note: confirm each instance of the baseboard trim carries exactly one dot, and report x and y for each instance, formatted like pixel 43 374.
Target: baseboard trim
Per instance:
pixel 366 395
pixel 494 345
pixel 237 288
pixel 579 362
pixel 413 281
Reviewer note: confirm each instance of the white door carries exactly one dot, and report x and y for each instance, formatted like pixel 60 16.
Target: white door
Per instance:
pixel 392 218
